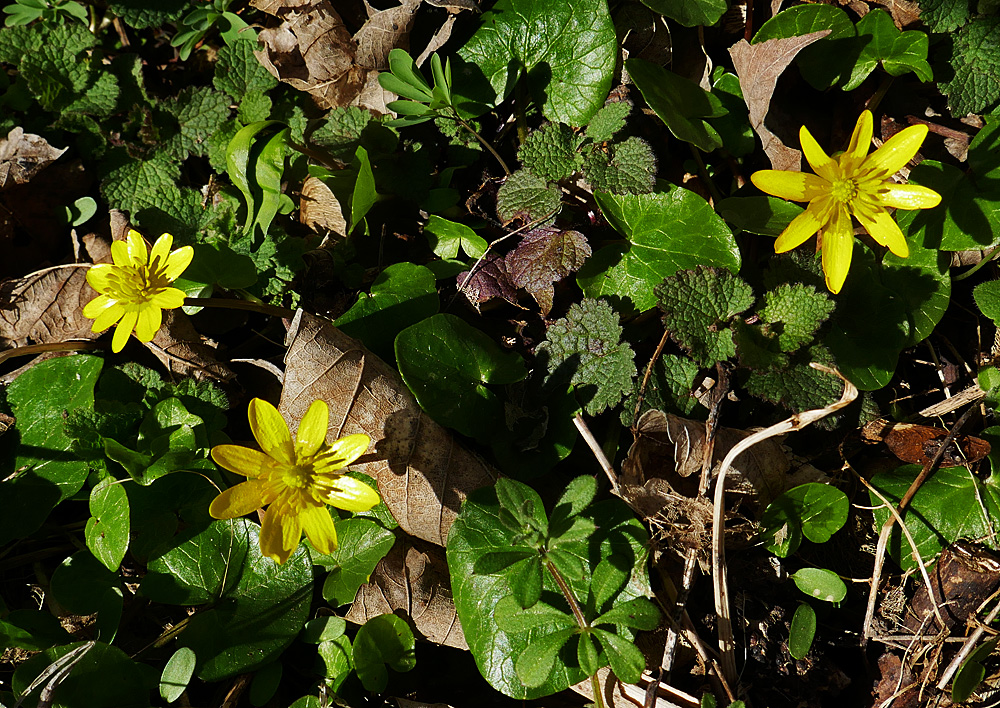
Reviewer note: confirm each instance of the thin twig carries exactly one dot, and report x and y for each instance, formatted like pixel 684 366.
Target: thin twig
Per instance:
pixel 727 644
pixel 233 304
pixel 970 643
pixel 645 378
pixel 31 349
pixel 595 448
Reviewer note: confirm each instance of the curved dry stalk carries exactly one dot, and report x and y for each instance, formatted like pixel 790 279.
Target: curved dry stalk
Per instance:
pixel 727 644
pixel 595 447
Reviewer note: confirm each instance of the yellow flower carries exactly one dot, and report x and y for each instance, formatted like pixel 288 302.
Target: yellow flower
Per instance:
pixel 853 184
pixel 136 289
pixel 298 479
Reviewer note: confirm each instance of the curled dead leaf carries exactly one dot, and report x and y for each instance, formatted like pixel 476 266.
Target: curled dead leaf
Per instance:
pixel 320 210
pixel 413 577
pixel 23 155
pixel 45 306
pixel 423 474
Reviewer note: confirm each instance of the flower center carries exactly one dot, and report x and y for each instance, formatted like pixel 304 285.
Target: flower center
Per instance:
pixel 138 284
pixel 844 190
pixel 298 476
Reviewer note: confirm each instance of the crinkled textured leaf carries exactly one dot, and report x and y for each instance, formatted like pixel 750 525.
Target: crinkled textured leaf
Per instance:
pixel 608 121
pixel 799 387
pixel 545 256
pixel 341 129
pixel 824 63
pixel 141 14
pixel 527 197
pixel 585 347
pixel 61 79
pixel 254 106
pixel 899 52
pixel 21 40
pixel 133 185
pixel 679 102
pixel 667 231
pixel 699 306
pixel 800 309
pixel 237 71
pixel 199 112
pixel 670 389
pixel 690 13
pixel 630 168
pixel 489 280
pixel 568 51
pixel 944 16
pixel 976 83
pixel 550 152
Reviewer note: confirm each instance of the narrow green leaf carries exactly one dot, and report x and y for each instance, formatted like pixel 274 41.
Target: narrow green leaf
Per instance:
pixel 535 663
pixel 495 562
pixel 177 674
pixel 527 582
pixel 802 631
pixel 401 64
pixel 638 613
pixel 609 577
pixel 587 655
pixel 627 662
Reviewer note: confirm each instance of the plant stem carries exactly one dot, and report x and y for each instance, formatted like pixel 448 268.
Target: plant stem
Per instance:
pixel 703 173
pixel 971 271
pixel 227 303
pixel 482 141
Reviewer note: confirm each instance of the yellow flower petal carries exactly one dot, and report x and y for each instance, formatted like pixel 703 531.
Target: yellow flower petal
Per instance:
pixel 341 453
pixel 861 138
pixel 312 429
pixel 161 251
pixel 168 298
pixel 838 246
pixel 149 321
pixel 822 164
pixel 794 186
pixel 98 305
pixel 799 230
pixel 242 460
pixel 241 499
pixel 177 262
pixel 137 253
pixel 274 530
pixel 349 494
pixel 97 276
pixel 123 331
pixel 107 317
pixel 908 196
pixel 318 525
pixel 271 431
pixel 120 254
pixel 886 232
pixel 895 152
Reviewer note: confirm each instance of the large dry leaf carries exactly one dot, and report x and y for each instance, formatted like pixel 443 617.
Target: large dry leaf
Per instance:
pixel 384 31
pixel 758 67
pixel 45 306
pixel 320 210
pixel 423 474
pixel 179 347
pixel 413 577
pixel 312 51
pixel 23 155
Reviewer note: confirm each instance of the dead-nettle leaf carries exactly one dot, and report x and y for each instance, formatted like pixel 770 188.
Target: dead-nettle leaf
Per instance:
pixel 671 448
pixel 489 280
pixel 45 306
pixel 384 31
pixel 423 474
pixel 544 256
pixel 758 67
pixel 312 51
pixel 413 577
pixel 320 210
pixel 23 155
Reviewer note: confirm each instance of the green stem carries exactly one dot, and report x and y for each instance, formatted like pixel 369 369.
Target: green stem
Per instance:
pixel 482 141
pixel 703 173
pixel 971 271
pixel 226 303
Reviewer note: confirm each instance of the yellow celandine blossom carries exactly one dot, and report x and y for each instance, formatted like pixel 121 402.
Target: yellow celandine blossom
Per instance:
pixel 852 184
pixel 298 479
pixel 135 290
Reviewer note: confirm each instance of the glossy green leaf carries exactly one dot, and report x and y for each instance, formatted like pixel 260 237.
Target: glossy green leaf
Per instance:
pixel 447 364
pixel 84 585
pixel 107 530
pixel 952 504
pixel 987 297
pixel 260 607
pixel 177 673
pixel 690 13
pixel 922 282
pixel 826 61
pixel 666 231
pixel 242 153
pixel 385 640
pixel 44 472
pixel 337 657
pixel 766 216
pixel 265 683
pixel 802 631
pixel 627 662
pixel 535 663
pixel 402 294
pixel 820 583
pixel 815 511
pixel 565 51
pixel 33 630
pixel 323 629
pixel 971 673
pixel 512 618
pixel 638 613
pixel 899 52
pixel 447 237
pixel 680 103
pixel 216 263
pixel 361 544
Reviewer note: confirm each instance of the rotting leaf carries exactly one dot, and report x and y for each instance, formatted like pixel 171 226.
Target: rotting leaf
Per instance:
pixel 23 155
pixel 545 256
pixel 312 51
pixel 423 474
pixel 384 31
pixel 758 67
pixel 45 306
pixel 413 577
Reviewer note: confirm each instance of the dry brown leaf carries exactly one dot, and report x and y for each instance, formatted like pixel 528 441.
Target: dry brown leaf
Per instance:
pixel 181 350
pixel 413 577
pixel 312 51
pixel 669 449
pixel 23 155
pixel 45 306
pixel 320 210
pixel 758 67
pixel 385 30
pixel 423 474
pixel 904 12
